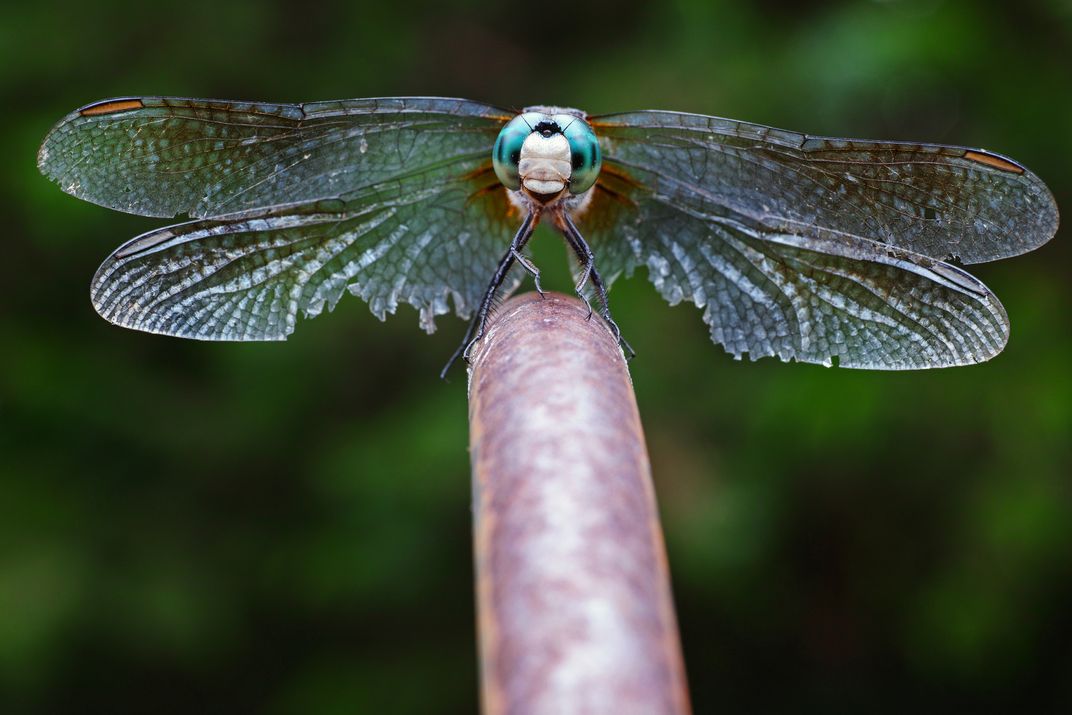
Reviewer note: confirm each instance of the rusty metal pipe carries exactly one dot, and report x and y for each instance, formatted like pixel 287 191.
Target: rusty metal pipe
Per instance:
pixel 574 606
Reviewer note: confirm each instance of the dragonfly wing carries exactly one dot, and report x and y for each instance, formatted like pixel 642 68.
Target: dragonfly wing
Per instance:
pixel 938 201
pixel 818 297
pixel 161 156
pixel 421 239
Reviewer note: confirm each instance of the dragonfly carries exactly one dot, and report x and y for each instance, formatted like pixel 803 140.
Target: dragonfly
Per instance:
pixel 805 248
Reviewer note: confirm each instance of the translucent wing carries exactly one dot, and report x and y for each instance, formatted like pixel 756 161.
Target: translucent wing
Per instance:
pixel 419 239
pixel 819 298
pixel 938 201
pixel 160 156
pixel 815 249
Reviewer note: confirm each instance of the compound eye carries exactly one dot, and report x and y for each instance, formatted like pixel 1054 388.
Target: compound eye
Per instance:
pixel 584 155
pixel 506 153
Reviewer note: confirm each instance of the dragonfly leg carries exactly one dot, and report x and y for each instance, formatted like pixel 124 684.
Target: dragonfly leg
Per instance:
pixel 588 262
pixel 529 266
pixel 586 272
pixel 601 288
pixel 480 317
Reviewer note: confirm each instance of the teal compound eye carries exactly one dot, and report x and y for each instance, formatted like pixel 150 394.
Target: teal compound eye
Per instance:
pixel 506 153
pixel 584 154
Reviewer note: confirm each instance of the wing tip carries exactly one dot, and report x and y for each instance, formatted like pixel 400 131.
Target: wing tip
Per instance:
pixel 43 152
pixel 1047 214
pixel 132 320
pixel 131 309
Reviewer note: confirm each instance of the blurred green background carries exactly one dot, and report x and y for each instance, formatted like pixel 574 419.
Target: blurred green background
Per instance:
pixel 285 528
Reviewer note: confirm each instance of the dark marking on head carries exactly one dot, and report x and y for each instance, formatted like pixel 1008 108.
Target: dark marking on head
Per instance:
pixel 110 107
pixel 997 162
pixel 587 157
pixel 547 128
pixel 504 158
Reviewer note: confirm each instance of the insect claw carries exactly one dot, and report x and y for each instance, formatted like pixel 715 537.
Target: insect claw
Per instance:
pixel 587 303
pixel 469 347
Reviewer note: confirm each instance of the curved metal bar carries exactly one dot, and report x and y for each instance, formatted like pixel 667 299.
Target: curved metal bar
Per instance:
pixel 573 589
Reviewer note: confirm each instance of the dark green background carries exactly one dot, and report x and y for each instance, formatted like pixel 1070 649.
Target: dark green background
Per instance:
pixel 284 528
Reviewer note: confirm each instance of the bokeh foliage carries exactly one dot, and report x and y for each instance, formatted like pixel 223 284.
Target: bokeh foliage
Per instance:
pixel 285 528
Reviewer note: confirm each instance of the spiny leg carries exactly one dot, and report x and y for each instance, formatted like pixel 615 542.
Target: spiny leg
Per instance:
pixel 601 290
pixel 524 233
pixel 531 268
pixel 476 325
pixel 588 265
pixel 587 258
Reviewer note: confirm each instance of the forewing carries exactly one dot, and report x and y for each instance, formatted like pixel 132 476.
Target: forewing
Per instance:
pixel 160 156
pixel 821 298
pixel 934 200
pixel 422 240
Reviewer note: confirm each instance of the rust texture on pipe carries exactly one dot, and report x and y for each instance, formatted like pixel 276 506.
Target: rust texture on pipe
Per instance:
pixel 574 605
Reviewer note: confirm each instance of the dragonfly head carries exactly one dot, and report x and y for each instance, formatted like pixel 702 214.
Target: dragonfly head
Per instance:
pixel 546 152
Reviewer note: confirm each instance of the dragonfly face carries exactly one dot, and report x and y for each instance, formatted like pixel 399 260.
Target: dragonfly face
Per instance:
pixel 807 248
pixel 545 151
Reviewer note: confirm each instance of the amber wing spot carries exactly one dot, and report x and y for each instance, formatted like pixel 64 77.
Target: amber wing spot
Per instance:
pixel 110 107
pixel 995 161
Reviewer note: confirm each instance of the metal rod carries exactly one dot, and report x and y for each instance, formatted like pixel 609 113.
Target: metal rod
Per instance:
pixel 574 606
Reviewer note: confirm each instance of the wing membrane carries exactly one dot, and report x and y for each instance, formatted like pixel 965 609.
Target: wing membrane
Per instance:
pixel 160 156
pixel 422 240
pixel 934 200
pixel 816 298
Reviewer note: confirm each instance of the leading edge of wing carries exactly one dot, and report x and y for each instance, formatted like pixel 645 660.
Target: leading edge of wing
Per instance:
pixel 294 110
pixel 1036 226
pixel 108 153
